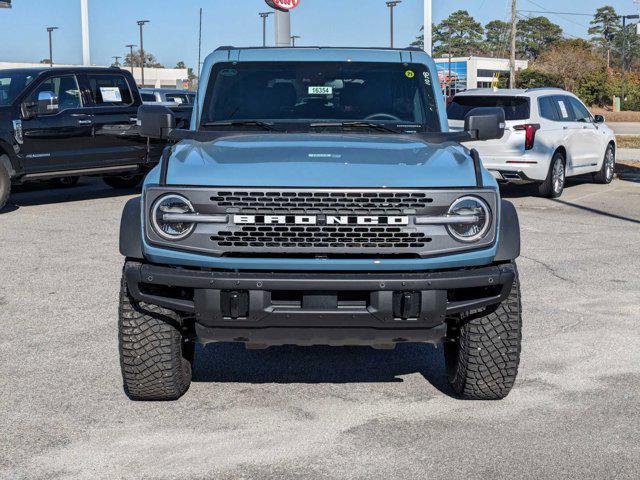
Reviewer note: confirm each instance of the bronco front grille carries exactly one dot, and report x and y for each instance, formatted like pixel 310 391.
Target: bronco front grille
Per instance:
pixel 282 237
pixel 324 237
pixel 321 202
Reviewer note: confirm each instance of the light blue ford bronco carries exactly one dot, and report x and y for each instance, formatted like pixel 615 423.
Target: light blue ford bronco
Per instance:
pixel 318 198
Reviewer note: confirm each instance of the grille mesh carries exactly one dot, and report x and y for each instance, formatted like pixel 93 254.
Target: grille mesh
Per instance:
pixel 359 203
pixel 320 237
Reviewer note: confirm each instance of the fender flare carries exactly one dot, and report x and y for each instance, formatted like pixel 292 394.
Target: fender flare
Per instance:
pixel 130 230
pixel 509 243
pixel 6 158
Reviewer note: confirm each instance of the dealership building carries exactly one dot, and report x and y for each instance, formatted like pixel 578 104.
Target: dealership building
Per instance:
pixel 474 72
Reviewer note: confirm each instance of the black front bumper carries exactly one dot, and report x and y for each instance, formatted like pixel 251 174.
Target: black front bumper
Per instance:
pixel 319 308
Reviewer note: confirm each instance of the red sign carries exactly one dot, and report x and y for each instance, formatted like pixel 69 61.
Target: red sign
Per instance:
pixel 283 5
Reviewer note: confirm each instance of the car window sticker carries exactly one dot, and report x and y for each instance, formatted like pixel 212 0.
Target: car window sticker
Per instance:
pixel 563 109
pixel 320 90
pixel 111 94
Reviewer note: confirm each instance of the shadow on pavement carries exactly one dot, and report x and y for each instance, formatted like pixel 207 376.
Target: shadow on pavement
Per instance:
pixel 230 362
pixel 509 190
pixel 43 193
pixel 628 173
pixel 596 211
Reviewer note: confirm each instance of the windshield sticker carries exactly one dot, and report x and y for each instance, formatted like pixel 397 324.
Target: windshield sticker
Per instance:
pixel 111 94
pixel 427 78
pixel 410 73
pixel 229 72
pixel 320 90
pixel 563 109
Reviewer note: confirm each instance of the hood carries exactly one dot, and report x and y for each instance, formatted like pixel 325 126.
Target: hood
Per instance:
pixel 320 160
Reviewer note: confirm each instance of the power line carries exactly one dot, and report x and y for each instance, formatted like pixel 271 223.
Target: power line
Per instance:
pixel 547 11
pixel 557 13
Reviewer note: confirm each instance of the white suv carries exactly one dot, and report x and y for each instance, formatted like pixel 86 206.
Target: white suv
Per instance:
pixel 549 135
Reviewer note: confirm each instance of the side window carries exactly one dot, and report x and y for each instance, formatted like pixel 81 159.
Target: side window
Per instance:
pixel 580 111
pixel 548 109
pixel 109 90
pixel 564 109
pixel 65 88
pixel 148 97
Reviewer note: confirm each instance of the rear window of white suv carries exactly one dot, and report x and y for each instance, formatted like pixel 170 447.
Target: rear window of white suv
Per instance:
pixel 515 108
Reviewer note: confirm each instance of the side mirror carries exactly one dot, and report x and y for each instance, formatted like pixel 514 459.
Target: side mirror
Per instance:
pixel 155 121
pixel 598 119
pixel 47 103
pixel 485 123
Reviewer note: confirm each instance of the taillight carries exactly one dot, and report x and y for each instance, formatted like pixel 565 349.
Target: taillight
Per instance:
pixel 530 130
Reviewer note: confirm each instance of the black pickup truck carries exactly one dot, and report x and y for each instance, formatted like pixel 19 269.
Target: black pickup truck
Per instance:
pixel 61 123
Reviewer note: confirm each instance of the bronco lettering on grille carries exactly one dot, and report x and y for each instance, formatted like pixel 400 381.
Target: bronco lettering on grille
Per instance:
pixel 318 220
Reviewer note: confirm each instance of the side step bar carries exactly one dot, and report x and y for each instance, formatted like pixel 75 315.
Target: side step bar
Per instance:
pixel 78 172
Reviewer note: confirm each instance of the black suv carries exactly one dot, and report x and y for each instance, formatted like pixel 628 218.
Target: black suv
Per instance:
pixel 60 123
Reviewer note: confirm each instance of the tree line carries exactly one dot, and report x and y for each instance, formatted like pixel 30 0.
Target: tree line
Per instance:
pixel 591 67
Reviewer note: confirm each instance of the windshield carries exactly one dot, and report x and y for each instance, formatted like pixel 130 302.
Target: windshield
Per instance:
pixel 398 95
pixel 12 84
pixel 515 108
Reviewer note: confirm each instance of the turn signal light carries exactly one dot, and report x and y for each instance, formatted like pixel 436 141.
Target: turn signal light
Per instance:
pixel 530 130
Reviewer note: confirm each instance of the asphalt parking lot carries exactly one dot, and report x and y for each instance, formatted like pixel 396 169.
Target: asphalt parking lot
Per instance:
pixel 320 412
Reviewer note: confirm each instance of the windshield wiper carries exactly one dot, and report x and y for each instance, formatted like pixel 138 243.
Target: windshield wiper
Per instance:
pixel 242 123
pixel 369 125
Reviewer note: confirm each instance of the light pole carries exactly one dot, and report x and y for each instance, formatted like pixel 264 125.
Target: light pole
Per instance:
pixel 50 30
pixel 293 39
pixel 131 46
pixel 117 61
pixel 141 24
pixel 392 5
pixel 624 41
pixel 264 16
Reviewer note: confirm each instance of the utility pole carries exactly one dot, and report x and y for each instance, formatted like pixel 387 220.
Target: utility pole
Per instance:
pixel 264 16
pixel 392 4
pixel 141 24
pixel 293 39
pixel 512 55
pixel 117 61
pixel 624 63
pixel 50 30
pixel 199 47
pixel 427 29
pixel 86 50
pixel 131 47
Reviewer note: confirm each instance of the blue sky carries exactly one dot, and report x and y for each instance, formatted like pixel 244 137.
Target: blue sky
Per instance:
pixel 172 33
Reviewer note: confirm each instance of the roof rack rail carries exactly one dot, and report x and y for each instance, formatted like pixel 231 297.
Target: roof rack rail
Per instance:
pixel 536 89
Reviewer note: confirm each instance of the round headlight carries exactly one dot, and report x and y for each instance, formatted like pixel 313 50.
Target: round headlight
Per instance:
pixel 476 219
pixel 171 229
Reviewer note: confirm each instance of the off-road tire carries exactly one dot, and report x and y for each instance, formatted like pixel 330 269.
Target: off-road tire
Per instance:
pixel 605 176
pixel 155 360
pixel 482 362
pixel 124 182
pixel 5 182
pixel 547 188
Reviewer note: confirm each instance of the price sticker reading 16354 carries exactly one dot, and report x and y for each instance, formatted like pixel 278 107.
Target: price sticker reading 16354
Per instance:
pixel 320 90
